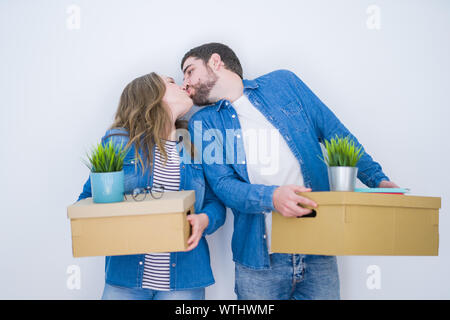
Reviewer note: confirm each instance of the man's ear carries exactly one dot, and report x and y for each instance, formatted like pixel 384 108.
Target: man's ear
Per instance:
pixel 215 62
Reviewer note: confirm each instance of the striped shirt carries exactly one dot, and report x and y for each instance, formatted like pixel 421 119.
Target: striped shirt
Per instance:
pixel 157 265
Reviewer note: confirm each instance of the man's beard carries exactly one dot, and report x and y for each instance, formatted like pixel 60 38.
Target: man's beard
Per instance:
pixel 202 90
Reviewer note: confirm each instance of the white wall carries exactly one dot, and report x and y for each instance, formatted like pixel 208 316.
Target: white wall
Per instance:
pixel 59 89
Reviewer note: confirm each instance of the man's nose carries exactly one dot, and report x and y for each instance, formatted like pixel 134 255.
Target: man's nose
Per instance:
pixel 185 85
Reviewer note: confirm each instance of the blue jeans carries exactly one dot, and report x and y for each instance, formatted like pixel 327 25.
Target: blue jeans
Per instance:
pixel 291 277
pixel 123 293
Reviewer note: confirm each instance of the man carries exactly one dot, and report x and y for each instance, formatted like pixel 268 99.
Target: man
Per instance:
pixel 241 115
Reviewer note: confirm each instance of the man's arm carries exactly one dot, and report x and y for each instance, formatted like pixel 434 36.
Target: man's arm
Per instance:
pixel 245 197
pixel 326 126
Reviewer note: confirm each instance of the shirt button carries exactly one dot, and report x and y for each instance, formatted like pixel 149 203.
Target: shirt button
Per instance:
pixel 233 116
pixel 243 162
pixel 264 236
pixel 238 136
pixel 173 265
pixel 140 262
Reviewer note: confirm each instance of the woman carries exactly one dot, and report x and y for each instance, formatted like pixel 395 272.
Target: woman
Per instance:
pixel 145 121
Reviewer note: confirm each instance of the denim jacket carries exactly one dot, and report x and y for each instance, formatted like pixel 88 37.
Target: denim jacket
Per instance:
pixel 188 270
pixel 302 120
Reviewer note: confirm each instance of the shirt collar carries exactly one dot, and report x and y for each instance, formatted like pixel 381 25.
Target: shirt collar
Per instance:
pixel 248 84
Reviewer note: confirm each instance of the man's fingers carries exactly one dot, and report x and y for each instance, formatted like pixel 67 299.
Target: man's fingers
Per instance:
pixel 289 203
pixel 290 213
pixel 297 188
pixel 291 209
pixel 300 199
pixel 304 201
pixel 297 210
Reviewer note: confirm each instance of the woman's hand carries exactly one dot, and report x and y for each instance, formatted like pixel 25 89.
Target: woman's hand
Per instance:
pixel 199 222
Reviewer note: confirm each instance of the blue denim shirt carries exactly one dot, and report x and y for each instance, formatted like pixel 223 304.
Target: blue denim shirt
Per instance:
pixel 302 120
pixel 188 270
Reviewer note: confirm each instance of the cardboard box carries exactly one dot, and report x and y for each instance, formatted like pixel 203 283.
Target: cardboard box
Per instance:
pixel 352 223
pixel 131 227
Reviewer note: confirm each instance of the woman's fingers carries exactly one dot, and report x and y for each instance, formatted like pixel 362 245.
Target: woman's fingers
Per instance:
pixel 194 225
pixel 196 234
pixel 199 222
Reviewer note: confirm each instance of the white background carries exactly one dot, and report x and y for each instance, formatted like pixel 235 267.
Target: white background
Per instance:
pixel 59 89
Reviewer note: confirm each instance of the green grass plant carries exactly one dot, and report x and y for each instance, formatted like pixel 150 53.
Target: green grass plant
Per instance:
pixel 342 152
pixel 106 158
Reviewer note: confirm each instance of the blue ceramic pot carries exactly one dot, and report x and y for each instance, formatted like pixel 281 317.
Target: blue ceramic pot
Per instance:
pixel 107 186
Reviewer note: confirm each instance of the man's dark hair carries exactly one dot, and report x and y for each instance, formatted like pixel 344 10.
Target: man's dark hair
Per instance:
pixel 204 52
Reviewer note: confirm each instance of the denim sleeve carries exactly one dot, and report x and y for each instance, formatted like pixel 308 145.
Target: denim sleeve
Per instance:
pixel 214 209
pixel 86 193
pixel 229 187
pixel 238 194
pixel 326 126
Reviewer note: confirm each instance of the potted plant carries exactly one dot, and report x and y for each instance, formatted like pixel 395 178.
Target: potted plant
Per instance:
pixel 341 158
pixel 107 177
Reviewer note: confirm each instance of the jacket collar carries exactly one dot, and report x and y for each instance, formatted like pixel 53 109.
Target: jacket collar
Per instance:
pixel 248 84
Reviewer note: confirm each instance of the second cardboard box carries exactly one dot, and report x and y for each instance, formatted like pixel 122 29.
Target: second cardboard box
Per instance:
pixel 353 223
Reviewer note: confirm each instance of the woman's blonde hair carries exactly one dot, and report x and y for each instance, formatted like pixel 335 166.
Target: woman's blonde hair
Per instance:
pixel 143 114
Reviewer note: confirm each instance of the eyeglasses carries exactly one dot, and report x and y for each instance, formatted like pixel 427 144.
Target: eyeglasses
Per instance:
pixel 139 194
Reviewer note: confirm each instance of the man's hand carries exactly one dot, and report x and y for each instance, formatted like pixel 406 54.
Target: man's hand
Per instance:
pixel 387 184
pixel 286 201
pixel 199 222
